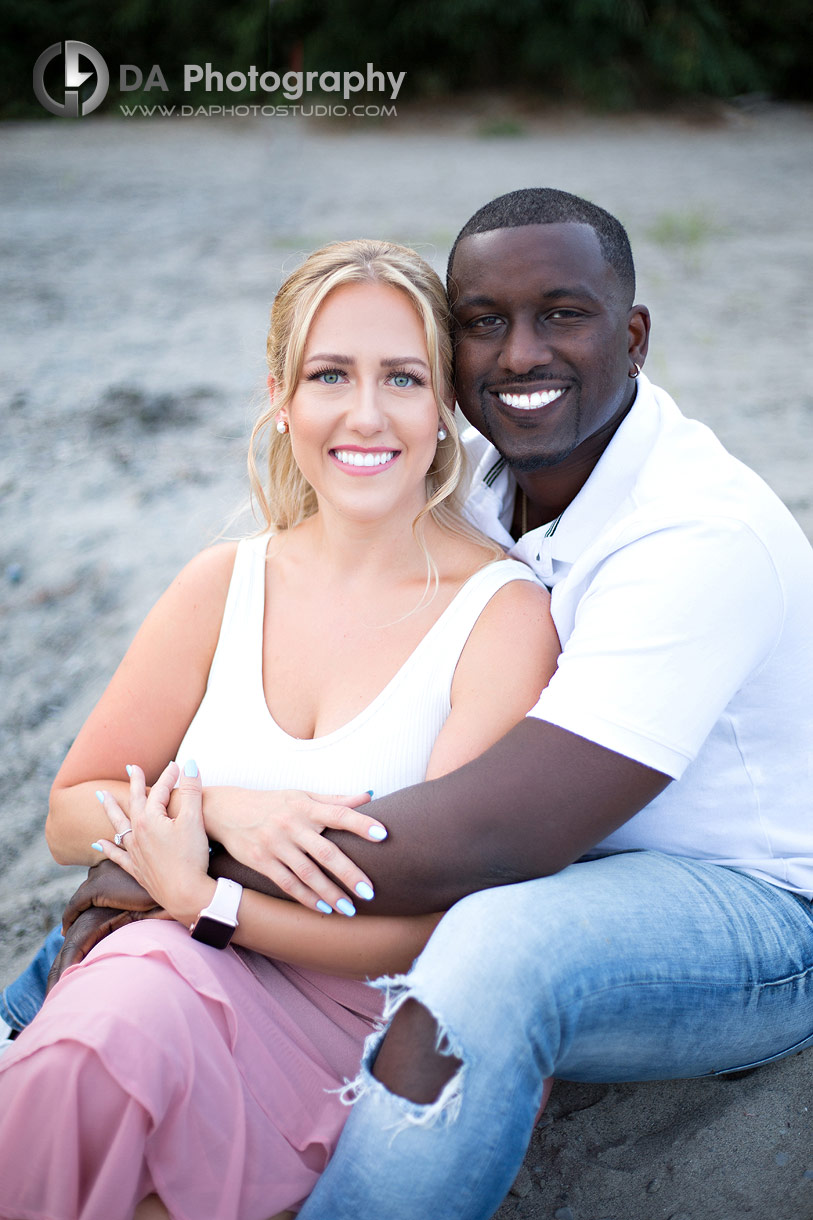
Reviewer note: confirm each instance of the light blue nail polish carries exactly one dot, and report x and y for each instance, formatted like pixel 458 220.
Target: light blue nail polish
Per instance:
pixel 129 770
pixel 97 847
pixel 365 891
pixel 100 797
pixel 369 792
pixel 324 907
pixel 345 906
pixel 377 832
pixel 190 768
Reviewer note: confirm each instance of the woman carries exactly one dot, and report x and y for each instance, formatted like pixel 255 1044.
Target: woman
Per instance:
pixel 345 648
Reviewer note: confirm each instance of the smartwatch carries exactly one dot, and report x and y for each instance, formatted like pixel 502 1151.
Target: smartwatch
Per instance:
pixel 216 923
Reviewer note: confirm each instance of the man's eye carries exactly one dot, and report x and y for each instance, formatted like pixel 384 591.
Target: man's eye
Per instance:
pixel 484 322
pixel 565 313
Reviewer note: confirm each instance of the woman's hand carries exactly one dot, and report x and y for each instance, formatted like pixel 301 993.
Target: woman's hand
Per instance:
pixel 279 834
pixel 166 855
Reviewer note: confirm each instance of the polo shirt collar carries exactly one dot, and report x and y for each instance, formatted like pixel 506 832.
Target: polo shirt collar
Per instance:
pixel 551 549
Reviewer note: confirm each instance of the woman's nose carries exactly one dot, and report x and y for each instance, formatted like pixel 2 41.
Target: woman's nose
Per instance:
pixel 365 413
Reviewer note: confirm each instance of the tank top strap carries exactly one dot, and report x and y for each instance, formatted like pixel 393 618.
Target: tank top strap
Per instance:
pixel 442 645
pixel 239 645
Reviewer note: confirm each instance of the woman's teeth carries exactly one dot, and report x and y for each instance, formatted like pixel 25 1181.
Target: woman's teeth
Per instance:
pixel 350 458
pixel 527 402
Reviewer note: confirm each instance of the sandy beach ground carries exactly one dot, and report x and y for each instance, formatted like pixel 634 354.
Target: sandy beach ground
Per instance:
pixel 139 259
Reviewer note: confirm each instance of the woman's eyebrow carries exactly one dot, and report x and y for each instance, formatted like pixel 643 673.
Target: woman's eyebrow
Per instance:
pixel 387 362
pixel 390 362
pixel 332 356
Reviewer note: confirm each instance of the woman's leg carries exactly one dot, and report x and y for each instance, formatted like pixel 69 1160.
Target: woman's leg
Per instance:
pixel 635 967
pixel 111 1093
pixel 71 1139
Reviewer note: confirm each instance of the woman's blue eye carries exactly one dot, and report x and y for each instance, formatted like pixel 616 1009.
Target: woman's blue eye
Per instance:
pixel 329 378
pixel 402 380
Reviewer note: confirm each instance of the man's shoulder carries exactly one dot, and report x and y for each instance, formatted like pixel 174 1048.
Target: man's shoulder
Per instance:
pixel 688 475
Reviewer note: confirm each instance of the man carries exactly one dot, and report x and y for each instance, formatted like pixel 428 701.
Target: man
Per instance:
pixel 672 748
pixel 658 792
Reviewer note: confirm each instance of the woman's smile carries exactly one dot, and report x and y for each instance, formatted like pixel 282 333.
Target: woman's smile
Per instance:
pixel 356 461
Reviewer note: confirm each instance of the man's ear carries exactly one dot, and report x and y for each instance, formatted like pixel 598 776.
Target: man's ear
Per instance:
pixel 638 325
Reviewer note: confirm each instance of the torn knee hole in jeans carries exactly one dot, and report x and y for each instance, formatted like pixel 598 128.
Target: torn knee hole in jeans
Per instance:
pixel 446 1106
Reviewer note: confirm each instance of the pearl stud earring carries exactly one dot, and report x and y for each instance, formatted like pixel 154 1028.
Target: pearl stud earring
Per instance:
pixel 282 426
pixel 442 434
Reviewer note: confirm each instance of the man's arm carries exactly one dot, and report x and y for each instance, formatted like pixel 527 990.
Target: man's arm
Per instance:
pixel 532 804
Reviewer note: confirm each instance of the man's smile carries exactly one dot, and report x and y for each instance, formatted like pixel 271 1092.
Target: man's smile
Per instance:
pixel 530 402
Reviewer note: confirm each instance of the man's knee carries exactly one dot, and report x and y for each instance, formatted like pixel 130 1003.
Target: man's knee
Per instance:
pixel 414 1059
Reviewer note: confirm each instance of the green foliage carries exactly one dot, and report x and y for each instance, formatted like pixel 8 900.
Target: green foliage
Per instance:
pixel 604 52
pixel 688 230
pixel 608 53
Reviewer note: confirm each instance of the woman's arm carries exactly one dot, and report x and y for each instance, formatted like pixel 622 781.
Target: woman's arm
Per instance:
pixel 146 708
pixel 508 660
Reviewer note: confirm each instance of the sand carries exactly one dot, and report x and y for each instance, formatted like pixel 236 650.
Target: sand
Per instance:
pixel 139 259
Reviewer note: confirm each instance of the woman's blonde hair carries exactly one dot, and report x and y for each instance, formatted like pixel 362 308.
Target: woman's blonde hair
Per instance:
pixel 287 498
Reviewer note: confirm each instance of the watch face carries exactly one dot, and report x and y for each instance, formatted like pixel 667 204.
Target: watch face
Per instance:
pixel 213 932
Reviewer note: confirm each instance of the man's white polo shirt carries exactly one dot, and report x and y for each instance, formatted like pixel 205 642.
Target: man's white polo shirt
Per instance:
pixel 682 592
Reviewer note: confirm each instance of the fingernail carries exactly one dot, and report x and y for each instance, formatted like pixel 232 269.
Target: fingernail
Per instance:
pixel 345 906
pixel 377 832
pixel 129 770
pixel 365 891
pixel 190 768
pixel 324 907
pixel 97 847
pixel 99 797
pixel 369 791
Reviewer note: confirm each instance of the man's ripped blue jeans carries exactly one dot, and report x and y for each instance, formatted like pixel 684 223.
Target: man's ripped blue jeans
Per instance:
pixel 638 966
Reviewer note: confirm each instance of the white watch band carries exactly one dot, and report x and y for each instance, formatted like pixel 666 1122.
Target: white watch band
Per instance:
pixel 225 902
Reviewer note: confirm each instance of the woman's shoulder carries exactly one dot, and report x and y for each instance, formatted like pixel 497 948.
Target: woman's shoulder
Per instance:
pixel 520 600
pixel 210 569
pixel 466 558
pixel 199 591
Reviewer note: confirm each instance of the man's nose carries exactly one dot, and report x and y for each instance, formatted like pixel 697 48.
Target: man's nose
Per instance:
pixel 524 348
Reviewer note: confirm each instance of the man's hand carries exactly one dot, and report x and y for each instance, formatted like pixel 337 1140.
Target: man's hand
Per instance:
pixel 88 928
pixel 108 899
pixel 107 885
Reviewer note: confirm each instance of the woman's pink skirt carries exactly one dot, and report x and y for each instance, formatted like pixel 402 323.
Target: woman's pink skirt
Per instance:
pixel 160 1064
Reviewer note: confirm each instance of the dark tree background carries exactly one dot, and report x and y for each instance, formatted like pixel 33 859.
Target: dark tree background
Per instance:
pixel 607 54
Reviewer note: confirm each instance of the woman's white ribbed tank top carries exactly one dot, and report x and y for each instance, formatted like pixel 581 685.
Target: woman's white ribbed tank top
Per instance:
pixel 236 741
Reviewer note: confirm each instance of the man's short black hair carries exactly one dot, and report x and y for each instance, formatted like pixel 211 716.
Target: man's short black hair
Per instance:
pixel 541 205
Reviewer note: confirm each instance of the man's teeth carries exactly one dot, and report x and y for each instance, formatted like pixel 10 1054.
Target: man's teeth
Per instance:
pixel 528 402
pixel 349 457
